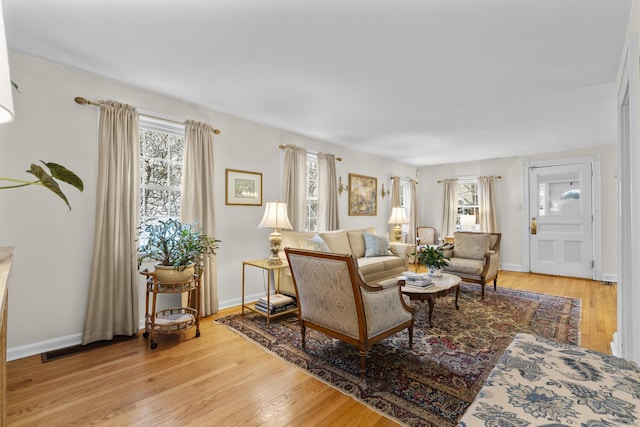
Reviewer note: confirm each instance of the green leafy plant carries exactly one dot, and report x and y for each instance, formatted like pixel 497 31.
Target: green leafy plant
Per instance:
pixel 173 243
pixel 431 257
pixel 48 179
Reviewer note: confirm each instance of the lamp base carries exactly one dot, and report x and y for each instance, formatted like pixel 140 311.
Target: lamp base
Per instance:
pixel 275 240
pixel 397 232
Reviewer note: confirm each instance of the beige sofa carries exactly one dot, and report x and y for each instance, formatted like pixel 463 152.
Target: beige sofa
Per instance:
pixel 374 268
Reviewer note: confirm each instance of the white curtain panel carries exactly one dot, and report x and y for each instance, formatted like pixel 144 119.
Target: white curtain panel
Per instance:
pixel 395 199
pixel 327 193
pixel 113 291
pixel 487 204
pixel 413 211
pixel 197 204
pixel 294 185
pixel 450 207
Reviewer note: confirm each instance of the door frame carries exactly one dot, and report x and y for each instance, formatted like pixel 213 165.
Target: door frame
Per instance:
pixel 595 206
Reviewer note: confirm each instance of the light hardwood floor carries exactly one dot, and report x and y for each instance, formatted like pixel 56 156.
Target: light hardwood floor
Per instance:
pixel 222 379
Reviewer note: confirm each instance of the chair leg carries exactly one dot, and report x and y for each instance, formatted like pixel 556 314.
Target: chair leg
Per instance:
pixel 482 286
pixel 303 333
pixel 495 283
pixel 363 361
pixel 410 336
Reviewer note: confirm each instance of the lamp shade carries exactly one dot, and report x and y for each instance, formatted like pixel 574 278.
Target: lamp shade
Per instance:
pixel 467 221
pixel 275 216
pixel 6 100
pixel 398 216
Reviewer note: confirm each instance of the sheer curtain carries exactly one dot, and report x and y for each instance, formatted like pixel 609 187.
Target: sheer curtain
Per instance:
pixel 294 185
pixel 197 202
pixel 450 207
pixel 413 211
pixel 112 308
pixel 327 193
pixel 395 199
pixel 487 204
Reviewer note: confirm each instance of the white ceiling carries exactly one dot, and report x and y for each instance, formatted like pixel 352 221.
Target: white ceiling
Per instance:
pixel 418 81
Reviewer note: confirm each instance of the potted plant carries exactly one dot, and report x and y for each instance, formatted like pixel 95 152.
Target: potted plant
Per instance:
pixel 179 249
pixel 433 259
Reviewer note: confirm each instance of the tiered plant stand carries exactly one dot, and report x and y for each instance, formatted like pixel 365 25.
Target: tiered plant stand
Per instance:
pixel 170 320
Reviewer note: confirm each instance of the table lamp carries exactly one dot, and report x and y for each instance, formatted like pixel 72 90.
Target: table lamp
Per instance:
pixel 275 216
pixel 467 222
pixel 398 218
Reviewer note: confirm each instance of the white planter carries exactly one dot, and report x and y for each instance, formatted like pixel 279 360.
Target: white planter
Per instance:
pixel 170 274
pixel 435 272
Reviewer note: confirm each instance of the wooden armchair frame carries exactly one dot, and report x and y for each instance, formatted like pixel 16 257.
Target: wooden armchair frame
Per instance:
pixel 364 340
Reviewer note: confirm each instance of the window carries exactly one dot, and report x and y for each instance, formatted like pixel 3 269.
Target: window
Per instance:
pixel 467 201
pixel 161 146
pixel 311 221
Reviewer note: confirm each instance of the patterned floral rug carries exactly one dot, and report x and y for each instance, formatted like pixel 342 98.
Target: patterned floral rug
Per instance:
pixel 433 383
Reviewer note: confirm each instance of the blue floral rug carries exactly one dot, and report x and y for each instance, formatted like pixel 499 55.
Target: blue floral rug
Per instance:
pixel 433 383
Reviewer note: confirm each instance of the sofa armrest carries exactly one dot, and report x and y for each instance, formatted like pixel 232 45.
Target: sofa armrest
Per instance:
pixel 401 250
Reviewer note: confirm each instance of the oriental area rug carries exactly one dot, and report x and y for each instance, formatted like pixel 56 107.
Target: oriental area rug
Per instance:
pixel 433 383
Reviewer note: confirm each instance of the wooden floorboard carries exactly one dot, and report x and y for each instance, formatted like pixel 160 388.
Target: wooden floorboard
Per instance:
pixel 222 379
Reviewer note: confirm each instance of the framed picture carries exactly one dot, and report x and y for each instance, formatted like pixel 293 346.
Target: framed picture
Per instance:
pixel 243 188
pixel 363 195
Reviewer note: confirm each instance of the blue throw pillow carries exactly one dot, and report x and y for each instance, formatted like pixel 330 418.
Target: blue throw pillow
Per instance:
pixel 375 245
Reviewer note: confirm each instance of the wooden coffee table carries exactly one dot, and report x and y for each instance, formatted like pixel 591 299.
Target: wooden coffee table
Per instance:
pixel 442 286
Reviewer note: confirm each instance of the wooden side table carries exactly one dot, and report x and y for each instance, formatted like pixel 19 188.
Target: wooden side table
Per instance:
pixel 271 269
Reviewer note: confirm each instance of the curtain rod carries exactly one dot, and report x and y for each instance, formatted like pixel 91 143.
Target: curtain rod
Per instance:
pixel 282 148
pixel 83 101
pixel 440 181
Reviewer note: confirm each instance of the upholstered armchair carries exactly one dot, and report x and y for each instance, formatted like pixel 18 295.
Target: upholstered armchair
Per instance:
pixel 333 299
pixel 475 257
pixel 426 235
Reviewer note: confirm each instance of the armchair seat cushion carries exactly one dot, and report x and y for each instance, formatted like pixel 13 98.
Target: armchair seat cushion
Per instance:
pixel 471 267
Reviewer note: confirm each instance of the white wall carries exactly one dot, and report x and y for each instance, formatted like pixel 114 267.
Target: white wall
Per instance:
pixel 50 279
pixel 509 200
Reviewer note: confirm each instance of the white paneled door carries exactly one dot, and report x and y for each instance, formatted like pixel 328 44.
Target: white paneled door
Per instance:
pixel 561 220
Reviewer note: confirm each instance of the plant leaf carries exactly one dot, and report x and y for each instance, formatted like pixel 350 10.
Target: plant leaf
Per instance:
pixel 48 182
pixel 64 175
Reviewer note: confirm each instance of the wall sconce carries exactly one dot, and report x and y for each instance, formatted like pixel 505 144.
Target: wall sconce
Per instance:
pixel 341 187
pixel 384 193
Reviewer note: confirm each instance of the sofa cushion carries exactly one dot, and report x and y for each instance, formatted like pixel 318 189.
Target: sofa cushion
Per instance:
pixel 471 245
pixel 375 245
pixel 337 241
pixel 356 240
pixel 314 244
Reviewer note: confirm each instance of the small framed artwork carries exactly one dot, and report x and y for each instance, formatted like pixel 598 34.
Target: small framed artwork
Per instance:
pixel 363 195
pixel 243 188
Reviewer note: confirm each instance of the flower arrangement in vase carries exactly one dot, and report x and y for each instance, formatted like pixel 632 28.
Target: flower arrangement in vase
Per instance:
pixel 433 259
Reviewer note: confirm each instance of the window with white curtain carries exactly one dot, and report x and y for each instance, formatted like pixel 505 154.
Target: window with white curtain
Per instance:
pixel 468 201
pixel 405 202
pixel 161 148
pixel 311 222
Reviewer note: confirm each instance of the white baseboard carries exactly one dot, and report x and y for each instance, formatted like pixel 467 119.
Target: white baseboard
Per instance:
pixel 615 346
pixel 610 278
pixel 511 267
pixel 19 352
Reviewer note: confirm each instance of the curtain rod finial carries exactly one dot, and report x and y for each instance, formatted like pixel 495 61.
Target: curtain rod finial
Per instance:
pixel 80 100
pixel 216 131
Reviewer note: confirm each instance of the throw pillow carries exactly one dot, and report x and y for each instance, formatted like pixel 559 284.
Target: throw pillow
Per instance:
pixel 314 244
pixel 375 245
pixel 337 241
pixel 471 245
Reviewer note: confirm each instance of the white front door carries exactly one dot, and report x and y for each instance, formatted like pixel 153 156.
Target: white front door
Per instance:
pixel 561 220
